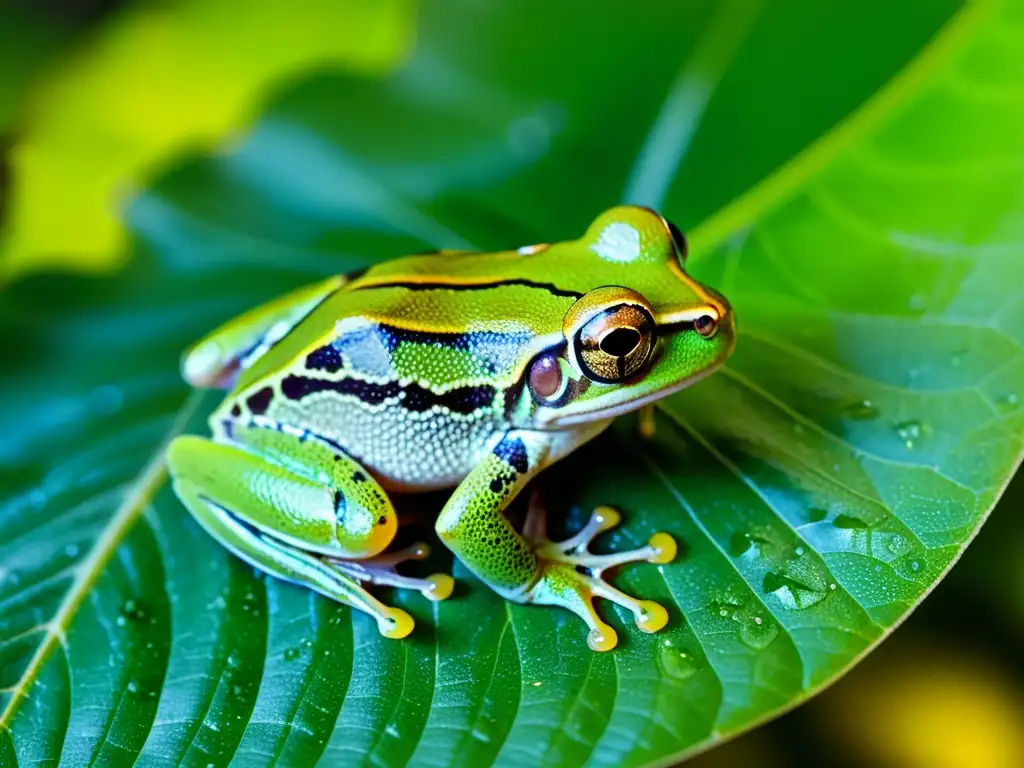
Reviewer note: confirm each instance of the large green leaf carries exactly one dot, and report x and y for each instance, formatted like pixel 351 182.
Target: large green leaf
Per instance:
pixel 851 175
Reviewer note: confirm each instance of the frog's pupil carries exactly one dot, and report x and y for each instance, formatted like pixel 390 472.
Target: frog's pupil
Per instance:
pixel 620 342
pixel 545 377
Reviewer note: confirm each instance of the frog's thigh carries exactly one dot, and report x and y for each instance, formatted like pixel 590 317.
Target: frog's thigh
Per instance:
pixel 216 359
pixel 473 525
pixel 226 488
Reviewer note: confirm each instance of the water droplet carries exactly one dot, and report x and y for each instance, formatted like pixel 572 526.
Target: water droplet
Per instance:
pixel 833 586
pixel 481 736
pixel 878 569
pixel 290 654
pixel 133 687
pixel 816 514
pixel 233 661
pixel 132 610
pixel 536 683
pixel 798 585
pixel 391 729
pixel 739 543
pixel 910 432
pixel 71 550
pixel 758 634
pixel 915 565
pixel 865 410
pixel 848 521
pixel 799 551
pixel 121 620
pixel 1009 400
pixel 677 662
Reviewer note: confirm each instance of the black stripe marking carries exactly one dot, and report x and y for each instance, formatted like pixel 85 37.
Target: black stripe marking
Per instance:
pixel 464 400
pixel 260 401
pixel 551 288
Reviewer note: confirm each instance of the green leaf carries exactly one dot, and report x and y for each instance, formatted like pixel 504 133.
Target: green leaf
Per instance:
pixel 156 81
pixel 860 205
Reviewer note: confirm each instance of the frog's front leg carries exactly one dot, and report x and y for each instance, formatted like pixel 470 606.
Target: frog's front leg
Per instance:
pixel 301 510
pixel 533 569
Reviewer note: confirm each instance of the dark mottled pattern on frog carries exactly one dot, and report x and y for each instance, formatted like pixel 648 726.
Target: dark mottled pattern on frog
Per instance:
pixel 464 400
pixel 369 349
pixel 513 452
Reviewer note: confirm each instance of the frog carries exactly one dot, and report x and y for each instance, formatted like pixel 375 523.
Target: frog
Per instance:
pixel 455 370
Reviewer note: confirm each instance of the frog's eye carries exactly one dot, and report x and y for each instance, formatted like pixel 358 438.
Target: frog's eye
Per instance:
pixel 615 343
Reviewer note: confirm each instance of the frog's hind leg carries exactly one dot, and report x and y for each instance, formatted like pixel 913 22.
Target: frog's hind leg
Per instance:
pixel 217 359
pixel 381 570
pixel 275 519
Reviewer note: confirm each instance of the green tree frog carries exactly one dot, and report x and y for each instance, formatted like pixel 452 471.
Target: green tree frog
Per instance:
pixel 449 370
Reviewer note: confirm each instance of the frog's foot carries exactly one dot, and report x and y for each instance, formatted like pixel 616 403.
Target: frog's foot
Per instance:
pixel 571 575
pixel 381 570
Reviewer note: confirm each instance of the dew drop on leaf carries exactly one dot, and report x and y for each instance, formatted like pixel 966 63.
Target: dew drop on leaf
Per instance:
pixel 864 410
pixel 677 662
pixel 290 654
pixel 910 432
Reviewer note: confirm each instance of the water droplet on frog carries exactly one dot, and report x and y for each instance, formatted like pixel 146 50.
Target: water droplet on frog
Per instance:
pixel 910 432
pixel 290 654
pixel 865 410
pixel 677 662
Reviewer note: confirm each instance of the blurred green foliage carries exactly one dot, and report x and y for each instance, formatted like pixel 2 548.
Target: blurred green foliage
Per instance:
pixel 859 204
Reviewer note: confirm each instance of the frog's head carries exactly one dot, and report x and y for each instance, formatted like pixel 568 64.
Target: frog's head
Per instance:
pixel 642 330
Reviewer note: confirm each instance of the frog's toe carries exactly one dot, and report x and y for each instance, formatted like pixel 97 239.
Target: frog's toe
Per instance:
pixel 572 575
pixel 395 623
pixel 381 570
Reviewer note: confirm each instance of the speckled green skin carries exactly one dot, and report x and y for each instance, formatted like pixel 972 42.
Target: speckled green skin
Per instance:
pixel 414 376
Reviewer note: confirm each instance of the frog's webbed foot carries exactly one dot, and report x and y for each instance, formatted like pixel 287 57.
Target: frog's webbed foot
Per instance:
pixel 381 570
pixel 572 576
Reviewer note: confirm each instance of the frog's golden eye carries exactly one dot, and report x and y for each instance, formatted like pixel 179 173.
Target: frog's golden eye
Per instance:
pixel 614 344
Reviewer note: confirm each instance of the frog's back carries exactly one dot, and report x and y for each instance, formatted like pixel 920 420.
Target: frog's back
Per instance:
pixel 412 373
